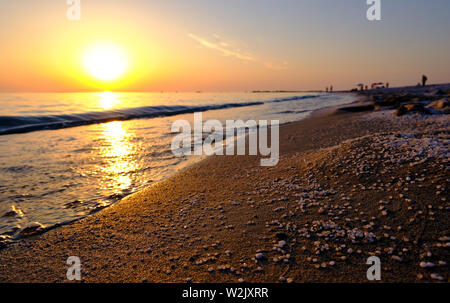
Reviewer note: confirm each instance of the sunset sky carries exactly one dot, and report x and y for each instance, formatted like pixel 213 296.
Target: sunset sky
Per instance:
pixel 232 45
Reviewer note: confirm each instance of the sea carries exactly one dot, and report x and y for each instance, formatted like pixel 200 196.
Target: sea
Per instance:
pixel 64 156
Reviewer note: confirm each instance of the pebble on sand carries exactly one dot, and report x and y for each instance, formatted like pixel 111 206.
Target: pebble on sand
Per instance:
pixel 426 264
pixel 32 229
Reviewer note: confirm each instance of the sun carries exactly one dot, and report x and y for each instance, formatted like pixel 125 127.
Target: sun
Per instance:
pixel 105 61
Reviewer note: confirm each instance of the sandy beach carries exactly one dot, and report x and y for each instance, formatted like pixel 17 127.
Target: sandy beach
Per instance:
pixel 366 179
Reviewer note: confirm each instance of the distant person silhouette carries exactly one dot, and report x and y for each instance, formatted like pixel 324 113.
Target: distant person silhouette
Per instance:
pixel 331 88
pixel 424 80
pixel 387 84
pixel 326 89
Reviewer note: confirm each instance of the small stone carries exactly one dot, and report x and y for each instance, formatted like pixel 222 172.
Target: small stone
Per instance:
pixel 426 264
pixel 259 256
pixel 281 244
pixel 32 229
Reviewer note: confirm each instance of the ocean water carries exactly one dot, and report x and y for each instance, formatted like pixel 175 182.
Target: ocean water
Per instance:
pixel 64 156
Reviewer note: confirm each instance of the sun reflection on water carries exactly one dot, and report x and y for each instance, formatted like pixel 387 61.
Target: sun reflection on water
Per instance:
pixel 108 100
pixel 117 152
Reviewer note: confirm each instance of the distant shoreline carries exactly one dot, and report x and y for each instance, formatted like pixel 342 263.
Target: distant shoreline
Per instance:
pixel 390 89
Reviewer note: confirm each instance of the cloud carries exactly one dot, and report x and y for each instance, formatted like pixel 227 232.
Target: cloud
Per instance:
pixel 223 47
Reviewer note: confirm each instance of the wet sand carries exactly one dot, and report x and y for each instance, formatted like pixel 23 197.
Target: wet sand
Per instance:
pixel 349 184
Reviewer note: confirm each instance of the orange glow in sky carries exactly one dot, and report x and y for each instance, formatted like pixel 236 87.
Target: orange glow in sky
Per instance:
pixel 139 45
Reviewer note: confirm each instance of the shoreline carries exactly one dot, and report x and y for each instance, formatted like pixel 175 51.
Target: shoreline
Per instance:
pixel 192 224
pixel 36 228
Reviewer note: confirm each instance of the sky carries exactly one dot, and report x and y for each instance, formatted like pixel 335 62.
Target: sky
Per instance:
pixel 224 45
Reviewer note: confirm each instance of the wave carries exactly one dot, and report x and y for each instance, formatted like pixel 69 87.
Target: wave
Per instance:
pixel 23 124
